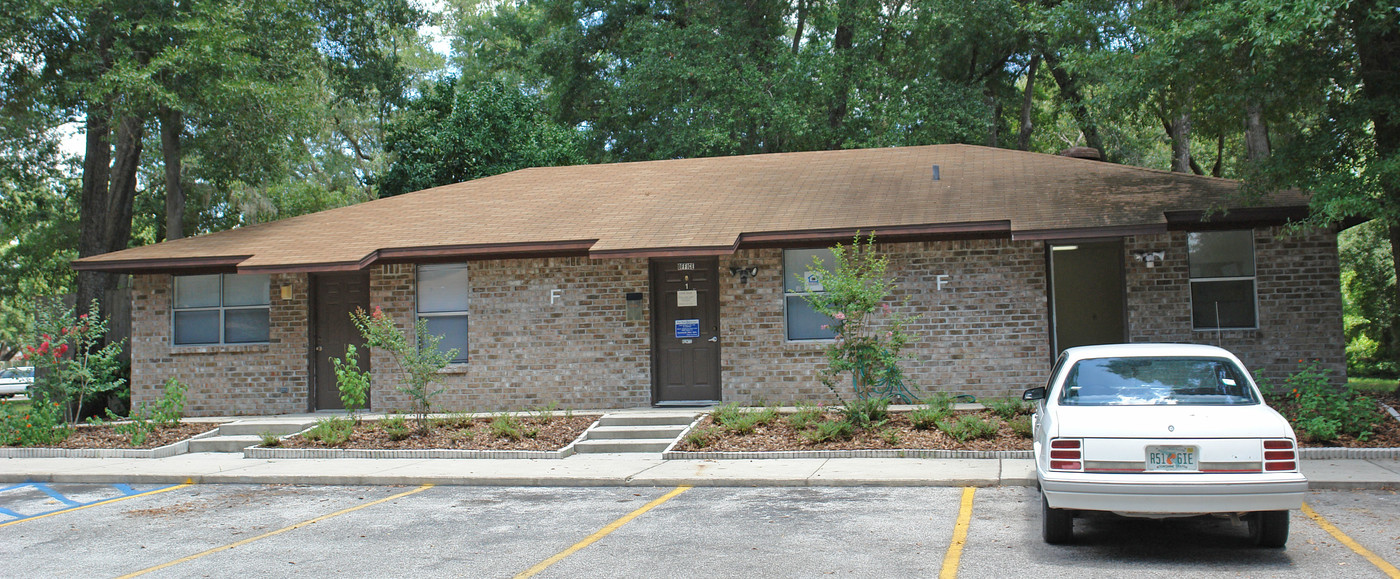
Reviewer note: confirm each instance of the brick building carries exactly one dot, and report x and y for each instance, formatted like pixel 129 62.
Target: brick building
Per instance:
pixel 676 282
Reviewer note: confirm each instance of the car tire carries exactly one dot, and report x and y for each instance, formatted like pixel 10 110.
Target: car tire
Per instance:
pixel 1269 529
pixel 1056 525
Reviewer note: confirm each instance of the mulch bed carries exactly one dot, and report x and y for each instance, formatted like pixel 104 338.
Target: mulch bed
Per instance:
pixel 462 434
pixel 105 436
pixel 779 435
pixel 1385 435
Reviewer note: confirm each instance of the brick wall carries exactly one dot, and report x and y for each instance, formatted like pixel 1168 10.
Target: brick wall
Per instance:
pixel 525 352
pixel 223 380
pixel 1299 293
pixel 986 332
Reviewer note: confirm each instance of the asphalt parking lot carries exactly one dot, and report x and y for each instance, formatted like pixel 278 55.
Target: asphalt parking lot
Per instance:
pixel 70 530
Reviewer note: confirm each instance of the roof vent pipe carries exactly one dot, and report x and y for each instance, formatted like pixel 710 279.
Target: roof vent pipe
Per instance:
pixel 935 172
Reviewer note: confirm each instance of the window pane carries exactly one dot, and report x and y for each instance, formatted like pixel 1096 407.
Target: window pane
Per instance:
pixel 796 262
pixel 197 327
pixel 442 288
pixel 453 330
pixel 1221 253
pixel 243 326
pixel 247 290
pixel 196 291
pixel 804 323
pixel 1232 301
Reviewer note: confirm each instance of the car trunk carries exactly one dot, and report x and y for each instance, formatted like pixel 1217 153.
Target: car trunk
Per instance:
pixel 1174 438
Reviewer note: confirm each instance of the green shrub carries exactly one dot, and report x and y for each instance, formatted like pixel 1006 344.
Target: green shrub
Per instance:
pixel 927 417
pixel 32 424
pixel 1320 411
pixel 867 413
pixel 745 421
pixel 701 437
pixel 725 413
pixel 940 401
pixel 890 436
pixel 144 420
pixel 830 430
pixel 456 420
pixel 805 416
pixel 1008 408
pixel 1021 425
pixel 331 431
pixel 546 413
pixel 396 427
pixel 969 427
pixel 269 439
pixel 507 426
pixel 352 382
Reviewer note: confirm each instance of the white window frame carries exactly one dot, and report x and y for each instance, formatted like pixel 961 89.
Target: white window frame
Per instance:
pixel 462 356
pixel 787 331
pixel 1253 279
pixel 222 309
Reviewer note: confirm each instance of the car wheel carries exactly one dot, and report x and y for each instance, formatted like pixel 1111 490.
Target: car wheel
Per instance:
pixel 1056 525
pixel 1269 529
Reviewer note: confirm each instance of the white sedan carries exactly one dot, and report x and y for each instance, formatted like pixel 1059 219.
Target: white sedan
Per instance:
pixel 15 380
pixel 1162 430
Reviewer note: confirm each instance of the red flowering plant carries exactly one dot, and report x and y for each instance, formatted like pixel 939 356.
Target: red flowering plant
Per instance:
pixel 418 356
pixel 72 361
pixel 870 334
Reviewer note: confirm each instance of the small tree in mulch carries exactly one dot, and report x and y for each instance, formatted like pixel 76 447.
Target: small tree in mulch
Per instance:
pixel 71 362
pixel 870 334
pixel 420 359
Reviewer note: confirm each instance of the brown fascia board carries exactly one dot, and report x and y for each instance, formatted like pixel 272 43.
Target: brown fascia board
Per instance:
pixel 1088 232
pixel 894 233
pixel 223 264
pixel 696 251
pixel 429 254
pixel 1202 220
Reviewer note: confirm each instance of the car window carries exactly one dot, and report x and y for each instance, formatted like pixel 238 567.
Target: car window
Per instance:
pixel 1148 381
pixel 9 374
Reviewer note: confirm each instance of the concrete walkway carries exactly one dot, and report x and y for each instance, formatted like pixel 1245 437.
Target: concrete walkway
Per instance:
pixel 598 470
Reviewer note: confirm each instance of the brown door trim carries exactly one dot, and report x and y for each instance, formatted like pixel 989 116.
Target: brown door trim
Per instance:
pixel 321 345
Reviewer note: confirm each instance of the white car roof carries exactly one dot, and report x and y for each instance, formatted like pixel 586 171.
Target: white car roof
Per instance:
pixel 1148 350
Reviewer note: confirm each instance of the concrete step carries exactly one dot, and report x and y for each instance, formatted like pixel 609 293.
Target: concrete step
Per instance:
pixel 647 419
pixel 632 432
pixel 255 427
pixel 224 443
pixel 624 445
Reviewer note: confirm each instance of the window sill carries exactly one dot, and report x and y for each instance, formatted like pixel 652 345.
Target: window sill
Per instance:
pixel 455 368
pixel 219 349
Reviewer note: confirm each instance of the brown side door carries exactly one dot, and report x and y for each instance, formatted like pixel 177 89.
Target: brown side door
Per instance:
pixel 334 296
pixel 685 340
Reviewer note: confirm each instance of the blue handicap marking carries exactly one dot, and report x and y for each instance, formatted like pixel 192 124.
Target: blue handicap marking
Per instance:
pixel 43 488
pixel 124 490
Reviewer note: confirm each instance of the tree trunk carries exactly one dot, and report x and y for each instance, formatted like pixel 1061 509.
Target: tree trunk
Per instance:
pixel 801 23
pixel 97 161
pixel 1181 142
pixel 845 67
pixel 1069 89
pixel 107 205
pixel 1256 133
pixel 1218 168
pixel 171 125
pixel 1023 139
pixel 994 132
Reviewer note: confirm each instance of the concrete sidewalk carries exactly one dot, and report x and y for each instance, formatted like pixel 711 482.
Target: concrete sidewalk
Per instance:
pixel 598 470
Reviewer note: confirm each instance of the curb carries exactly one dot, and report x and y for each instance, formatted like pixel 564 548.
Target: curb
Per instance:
pixel 166 451
pixel 883 453
pixel 258 451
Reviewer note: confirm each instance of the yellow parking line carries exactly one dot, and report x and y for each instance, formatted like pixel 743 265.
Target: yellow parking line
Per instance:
pixel 613 526
pixel 1380 563
pixel 277 532
pixel 88 506
pixel 955 547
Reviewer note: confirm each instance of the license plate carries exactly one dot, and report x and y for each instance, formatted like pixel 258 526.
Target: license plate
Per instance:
pixel 1172 458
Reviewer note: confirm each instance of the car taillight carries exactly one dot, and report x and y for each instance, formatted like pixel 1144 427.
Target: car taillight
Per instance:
pixel 1280 455
pixel 1066 454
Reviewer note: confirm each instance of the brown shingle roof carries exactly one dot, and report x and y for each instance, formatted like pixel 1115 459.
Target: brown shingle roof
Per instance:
pixel 712 205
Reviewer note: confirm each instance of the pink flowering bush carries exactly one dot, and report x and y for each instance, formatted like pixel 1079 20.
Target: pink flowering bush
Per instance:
pixel 870 333
pixel 71 360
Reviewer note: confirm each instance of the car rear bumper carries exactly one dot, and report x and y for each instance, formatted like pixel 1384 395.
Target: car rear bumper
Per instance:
pixel 12 389
pixel 1184 493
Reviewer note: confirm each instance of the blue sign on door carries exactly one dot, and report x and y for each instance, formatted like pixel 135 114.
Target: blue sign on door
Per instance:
pixel 687 328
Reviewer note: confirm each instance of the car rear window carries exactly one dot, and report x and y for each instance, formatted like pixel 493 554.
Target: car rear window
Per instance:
pixel 1150 381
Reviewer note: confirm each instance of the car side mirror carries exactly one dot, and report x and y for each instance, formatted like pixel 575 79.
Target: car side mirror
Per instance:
pixel 1037 393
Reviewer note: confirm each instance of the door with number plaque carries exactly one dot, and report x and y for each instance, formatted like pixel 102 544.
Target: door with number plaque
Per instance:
pixel 685 331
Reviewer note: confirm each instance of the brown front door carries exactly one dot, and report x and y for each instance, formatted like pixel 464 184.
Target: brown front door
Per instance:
pixel 685 340
pixel 335 295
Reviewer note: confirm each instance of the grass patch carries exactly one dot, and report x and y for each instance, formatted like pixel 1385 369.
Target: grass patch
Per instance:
pixel 1371 386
